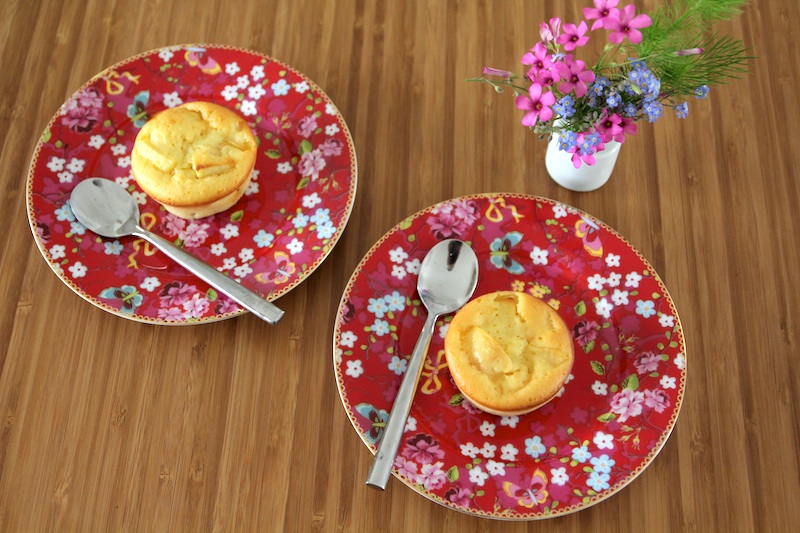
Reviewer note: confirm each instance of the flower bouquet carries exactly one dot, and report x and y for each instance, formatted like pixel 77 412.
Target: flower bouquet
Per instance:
pixel 650 62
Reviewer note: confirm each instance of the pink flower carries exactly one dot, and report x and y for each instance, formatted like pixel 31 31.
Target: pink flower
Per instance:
pixel 627 24
pixel 536 104
pixel 307 125
pixel 657 399
pixel 432 476
pixel 174 225
pixel 538 59
pixel 573 75
pixel 545 77
pixel 609 126
pixel 195 234
pixel 331 147
pixel 458 495
pixel 423 449
pixel 573 36
pixel 466 211
pixel 172 314
pixel 197 306
pixel 406 468
pixel 549 32
pixel 603 10
pixel 627 403
pixel 311 163
pixel 647 362
pixel 175 293
pixel 489 71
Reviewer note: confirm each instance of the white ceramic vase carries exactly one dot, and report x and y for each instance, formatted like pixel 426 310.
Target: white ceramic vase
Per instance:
pixel 587 177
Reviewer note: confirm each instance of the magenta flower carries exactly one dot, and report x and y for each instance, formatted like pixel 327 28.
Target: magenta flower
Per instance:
pixel 627 24
pixel 538 59
pixel 551 31
pixel 573 36
pixel 574 75
pixel 603 10
pixel 537 105
pixel 609 126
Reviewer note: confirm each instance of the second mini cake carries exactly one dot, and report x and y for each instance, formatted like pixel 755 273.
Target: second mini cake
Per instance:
pixel 508 352
pixel 195 159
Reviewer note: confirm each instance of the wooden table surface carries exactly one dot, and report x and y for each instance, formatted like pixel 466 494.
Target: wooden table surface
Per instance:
pixel 114 425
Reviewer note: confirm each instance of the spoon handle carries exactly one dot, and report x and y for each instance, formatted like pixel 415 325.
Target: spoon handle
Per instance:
pixel 381 468
pixel 241 295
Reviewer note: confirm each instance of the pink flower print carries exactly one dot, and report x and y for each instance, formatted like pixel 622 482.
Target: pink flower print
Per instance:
pixel 466 211
pixel 627 24
pixel 171 314
pixel 423 449
pixel 311 163
pixel 406 468
pixel 331 147
pixel 307 125
pixel 195 234
pixel 225 306
pixel 432 476
pixel 603 10
pixel 196 306
pixel 574 75
pixel 446 224
pixel 656 399
pixel 647 362
pixel 573 36
pixel 82 112
pixel 538 59
pixel 627 403
pixel 175 293
pixel 585 332
pixel 458 495
pixel 537 105
pixel 174 225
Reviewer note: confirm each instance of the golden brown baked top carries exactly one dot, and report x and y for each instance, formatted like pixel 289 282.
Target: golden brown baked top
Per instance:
pixel 193 154
pixel 508 351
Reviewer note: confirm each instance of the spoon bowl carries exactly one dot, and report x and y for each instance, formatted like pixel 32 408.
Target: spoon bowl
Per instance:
pixel 108 210
pixel 447 278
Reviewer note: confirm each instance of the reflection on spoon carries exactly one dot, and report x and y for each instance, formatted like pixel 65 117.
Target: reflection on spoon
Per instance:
pixel 108 210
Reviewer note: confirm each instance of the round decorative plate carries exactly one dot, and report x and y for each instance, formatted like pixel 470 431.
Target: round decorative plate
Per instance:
pixel 605 426
pixel 290 217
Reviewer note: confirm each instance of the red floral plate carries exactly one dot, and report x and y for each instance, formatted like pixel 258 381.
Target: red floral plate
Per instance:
pixel 287 222
pixel 607 424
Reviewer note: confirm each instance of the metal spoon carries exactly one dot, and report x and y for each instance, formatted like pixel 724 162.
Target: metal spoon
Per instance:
pixel 447 279
pixel 108 210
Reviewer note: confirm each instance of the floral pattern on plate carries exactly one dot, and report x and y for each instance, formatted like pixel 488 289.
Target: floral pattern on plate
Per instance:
pixel 290 217
pixel 606 425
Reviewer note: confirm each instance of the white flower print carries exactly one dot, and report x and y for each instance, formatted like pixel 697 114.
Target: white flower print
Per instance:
pixel 78 270
pixel 510 421
pixel 596 282
pixel 229 231
pixel 539 256
pixel 140 197
pixel 604 441
pixel 232 69
pixel 165 54
pixel 76 165
pixel 612 260
pixel 348 339
pixel 443 330
pixel 487 429
pixel 666 321
pixel 246 254
pixel 411 424
pixel 354 368
pixel 242 82
pixel 256 91
pixel 96 141
pixel 295 247
pixel 118 149
pixel 478 476
pixel 124 162
pixel 150 284
pixel 558 476
pixel 495 469
pixel 257 72
pixel 469 450
pixel 330 109
pixel 600 388
pixel 58 251
pixel 632 280
pixel 284 168
pixel 619 297
pixel 613 279
pixel 398 365
pixel 668 382
pixel 301 87
pixel 331 130
pixel 248 108
pixel 397 255
pixel 56 164
pixel 228 263
pixel 680 361
pixel 252 188
pixel 230 92
pixel 172 99
pixel 242 271
pixel 509 452
pixel 603 308
pixel 309 200
pixel 413 266
pixel 280 88
pixel 488 449
pixel 559 211
pixel 65 177
pixel 398 271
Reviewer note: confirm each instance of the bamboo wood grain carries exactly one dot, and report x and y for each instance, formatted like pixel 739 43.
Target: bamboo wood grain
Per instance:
pixel 110 425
